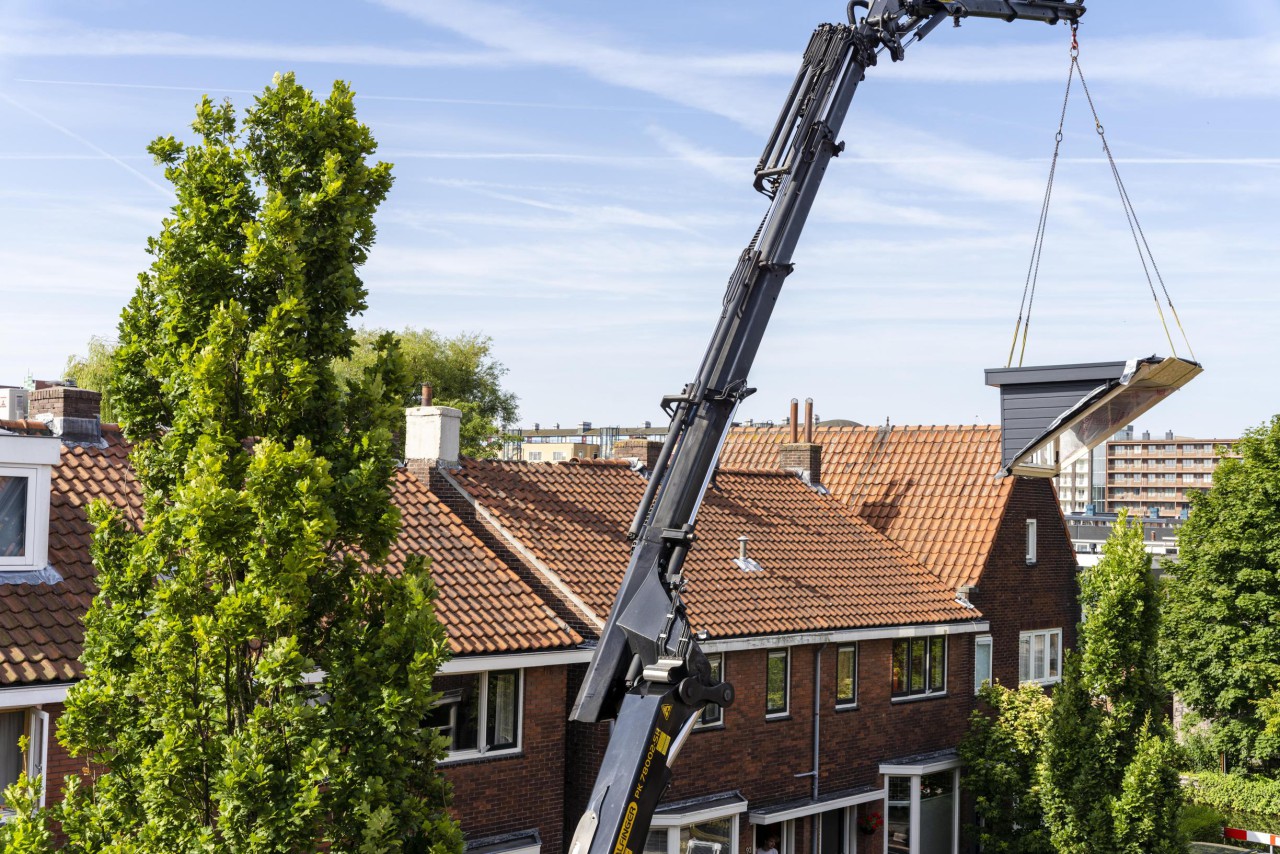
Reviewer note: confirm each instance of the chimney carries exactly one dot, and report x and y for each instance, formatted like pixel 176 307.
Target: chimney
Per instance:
pixel 71 413
pixel 802 458
pixel 431 438
pixel 643 452
pixel 1168 435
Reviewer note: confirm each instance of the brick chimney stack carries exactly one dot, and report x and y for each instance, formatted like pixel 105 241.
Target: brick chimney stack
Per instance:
pixel 71 413
pixel 644 451
pixel 802 458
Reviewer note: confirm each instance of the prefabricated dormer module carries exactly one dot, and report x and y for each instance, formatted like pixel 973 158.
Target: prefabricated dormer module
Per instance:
pixel 1052 415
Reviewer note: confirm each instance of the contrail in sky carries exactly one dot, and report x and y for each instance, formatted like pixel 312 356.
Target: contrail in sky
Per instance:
pixel 163 190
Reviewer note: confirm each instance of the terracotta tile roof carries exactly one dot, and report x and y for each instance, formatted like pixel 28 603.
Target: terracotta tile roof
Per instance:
pixel 41 628
pixel 824 568
pixel 483 604
pixel 932 490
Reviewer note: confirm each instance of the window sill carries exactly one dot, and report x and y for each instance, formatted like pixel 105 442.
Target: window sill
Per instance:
pixel 778 716
pixel 476 756
pixel 1041 682
pixel 709 727
pixel 916 698
pixel 847 707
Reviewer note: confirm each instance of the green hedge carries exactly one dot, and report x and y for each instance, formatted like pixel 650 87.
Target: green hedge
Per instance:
pixel 1233 792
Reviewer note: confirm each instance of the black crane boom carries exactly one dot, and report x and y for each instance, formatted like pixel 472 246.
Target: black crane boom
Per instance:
pixel 648 671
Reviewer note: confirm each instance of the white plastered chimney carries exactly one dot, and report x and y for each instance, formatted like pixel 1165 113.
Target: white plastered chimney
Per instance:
pixel 431 435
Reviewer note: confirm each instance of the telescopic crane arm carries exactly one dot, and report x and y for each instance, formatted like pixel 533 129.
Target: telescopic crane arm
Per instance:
pixel 648 671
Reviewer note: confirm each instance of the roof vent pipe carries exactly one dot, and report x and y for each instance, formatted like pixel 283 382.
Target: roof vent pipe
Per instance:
pixel 795 418
pixel 808 419
pixel 742 548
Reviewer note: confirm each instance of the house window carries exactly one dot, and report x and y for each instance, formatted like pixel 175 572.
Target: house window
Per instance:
pixel 713 715
pixel 15 723
pixel 709 835
pixel 16 498
pixel 557 456
pixel 922 814
pixel 777 677
pixel 1040 656
pixel 898 821
pixel 782 834
pixel 535 456
pixel 1031 542
pixel 479 713
pixel 847 676
pixel 981 661
pixel 919 666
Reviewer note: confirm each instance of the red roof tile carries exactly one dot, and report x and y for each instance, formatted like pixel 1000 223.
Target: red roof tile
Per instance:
pixel 824 569
pixel 483 604
pixel 932 490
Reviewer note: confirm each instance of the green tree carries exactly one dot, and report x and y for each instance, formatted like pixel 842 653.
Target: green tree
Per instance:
pixel 1108 719
pixel 1002 751
pixel 462 373
pixel 26 828
pixel 1222 615
pixel 461 370
pixel 260 565
pixel 93 370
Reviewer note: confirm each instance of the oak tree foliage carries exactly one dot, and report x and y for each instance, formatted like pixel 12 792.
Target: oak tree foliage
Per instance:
pixel 462 372
pixel 1108 779
pixel 257 677
pixel 1222 614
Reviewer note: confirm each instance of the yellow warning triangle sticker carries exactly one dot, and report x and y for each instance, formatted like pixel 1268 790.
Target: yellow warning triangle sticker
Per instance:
pixel 666 711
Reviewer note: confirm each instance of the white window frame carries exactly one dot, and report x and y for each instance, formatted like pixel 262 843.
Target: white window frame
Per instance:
pixel 35 760
pixel 673 824
pixel 1031 542
pixel 776 714
pixel 482 721
pixel 845 702
pixel 718 721
pixel 786 832
pixel 35 523
pixel 1029 676
pixel 980 643
pixel 914 775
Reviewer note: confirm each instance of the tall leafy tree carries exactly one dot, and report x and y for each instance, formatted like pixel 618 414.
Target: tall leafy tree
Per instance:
pixel 1002 751
pixel 1107 737
pixel 1222 617
pixel 93 369
pixel 259 566
pixel 462 372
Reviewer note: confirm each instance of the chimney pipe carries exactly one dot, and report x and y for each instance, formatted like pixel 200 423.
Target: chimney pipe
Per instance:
pixel 742 548
pixel 795 418
pixel 808 419
pixel 426 394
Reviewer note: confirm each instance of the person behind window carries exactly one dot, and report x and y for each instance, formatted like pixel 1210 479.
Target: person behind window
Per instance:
pixel 770 846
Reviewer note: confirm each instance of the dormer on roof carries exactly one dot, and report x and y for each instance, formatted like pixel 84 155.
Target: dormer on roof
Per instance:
pixel 26 466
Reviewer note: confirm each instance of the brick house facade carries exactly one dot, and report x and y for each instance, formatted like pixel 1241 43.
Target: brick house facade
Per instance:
pixel 526 559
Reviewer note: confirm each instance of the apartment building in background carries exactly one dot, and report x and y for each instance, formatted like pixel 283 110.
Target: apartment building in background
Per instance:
pixel 1157 477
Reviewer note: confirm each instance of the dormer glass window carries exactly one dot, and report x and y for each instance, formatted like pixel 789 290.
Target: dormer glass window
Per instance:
pixel 26 466
pixel 16 512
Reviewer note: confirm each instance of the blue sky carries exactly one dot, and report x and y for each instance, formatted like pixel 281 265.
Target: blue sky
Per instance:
pixel 573 179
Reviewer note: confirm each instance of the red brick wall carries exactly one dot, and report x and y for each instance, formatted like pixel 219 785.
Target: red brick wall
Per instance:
pixel 526 790
pixel 760 757
pixel 1015 597
pixel 58 763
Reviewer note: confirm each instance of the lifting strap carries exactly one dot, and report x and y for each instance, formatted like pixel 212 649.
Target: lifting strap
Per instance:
pixel 1131 215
